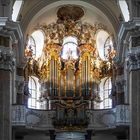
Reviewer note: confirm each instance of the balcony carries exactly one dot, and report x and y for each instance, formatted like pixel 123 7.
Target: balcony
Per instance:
pixel 43 119
pixel 109 118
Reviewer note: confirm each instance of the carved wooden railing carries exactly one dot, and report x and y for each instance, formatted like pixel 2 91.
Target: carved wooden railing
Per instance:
pixel 43 119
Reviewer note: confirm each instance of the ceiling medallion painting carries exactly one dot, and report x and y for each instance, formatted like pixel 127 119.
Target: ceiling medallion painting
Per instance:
pixel 70 12
pixel 70 66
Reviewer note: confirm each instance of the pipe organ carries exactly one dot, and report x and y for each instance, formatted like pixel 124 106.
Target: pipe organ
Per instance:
pixel 69 78
pixel 70 68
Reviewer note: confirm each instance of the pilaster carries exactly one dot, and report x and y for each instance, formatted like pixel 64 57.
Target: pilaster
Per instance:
pixel 129 57
pixel 9 35
pixel 135 105
pixel 7 66
pixel 133 64
pixel 120 85
pixel 20 89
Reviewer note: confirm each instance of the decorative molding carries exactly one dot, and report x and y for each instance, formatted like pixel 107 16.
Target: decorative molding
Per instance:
pixel 70 12
pixel 122 115
pixel 98 119
pixel 18 115
pixel 84 32
pixel 3 21
pixel 127 31
pixel 133 59
pixel 20 84
pixel 13 31
pixel 107 119
pixel 102 119
pixel 136 41
pixel 120 83
pixel 7 59
pixel 39 119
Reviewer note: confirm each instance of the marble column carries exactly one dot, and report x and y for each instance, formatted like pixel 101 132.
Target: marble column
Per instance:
pixel 135 105
pixel 129 55
pixel 7 64
pixel 9 34
pixel 134 89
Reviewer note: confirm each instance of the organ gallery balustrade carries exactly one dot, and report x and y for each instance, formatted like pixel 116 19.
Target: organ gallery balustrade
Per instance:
pixel 44 119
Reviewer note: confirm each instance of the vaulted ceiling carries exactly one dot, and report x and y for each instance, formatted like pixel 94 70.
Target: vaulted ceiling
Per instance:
pixel 38 12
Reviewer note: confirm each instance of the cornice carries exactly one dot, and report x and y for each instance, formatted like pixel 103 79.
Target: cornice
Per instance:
pixel 127 31
pixel 13 31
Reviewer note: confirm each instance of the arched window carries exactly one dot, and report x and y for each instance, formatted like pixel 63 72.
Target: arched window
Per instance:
pixel 104 44
pixel 108 46
pixel 69 50
pixel 34 90
pixel 105 93
pixel 36 43
pixel 31 46
pixel 124 9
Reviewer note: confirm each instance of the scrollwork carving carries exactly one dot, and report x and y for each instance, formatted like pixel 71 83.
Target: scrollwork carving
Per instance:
pixel 136 41
pixel 20 84
pixel 7 60
pixel 133 59
pixel 85 33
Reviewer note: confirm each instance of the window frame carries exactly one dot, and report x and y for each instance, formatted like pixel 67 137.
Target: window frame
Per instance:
pixel 69 42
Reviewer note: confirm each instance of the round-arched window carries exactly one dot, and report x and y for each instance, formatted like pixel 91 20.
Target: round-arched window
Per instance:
pixel 105 93
pixel 36 43
pixel 70 50
pixel 104 44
